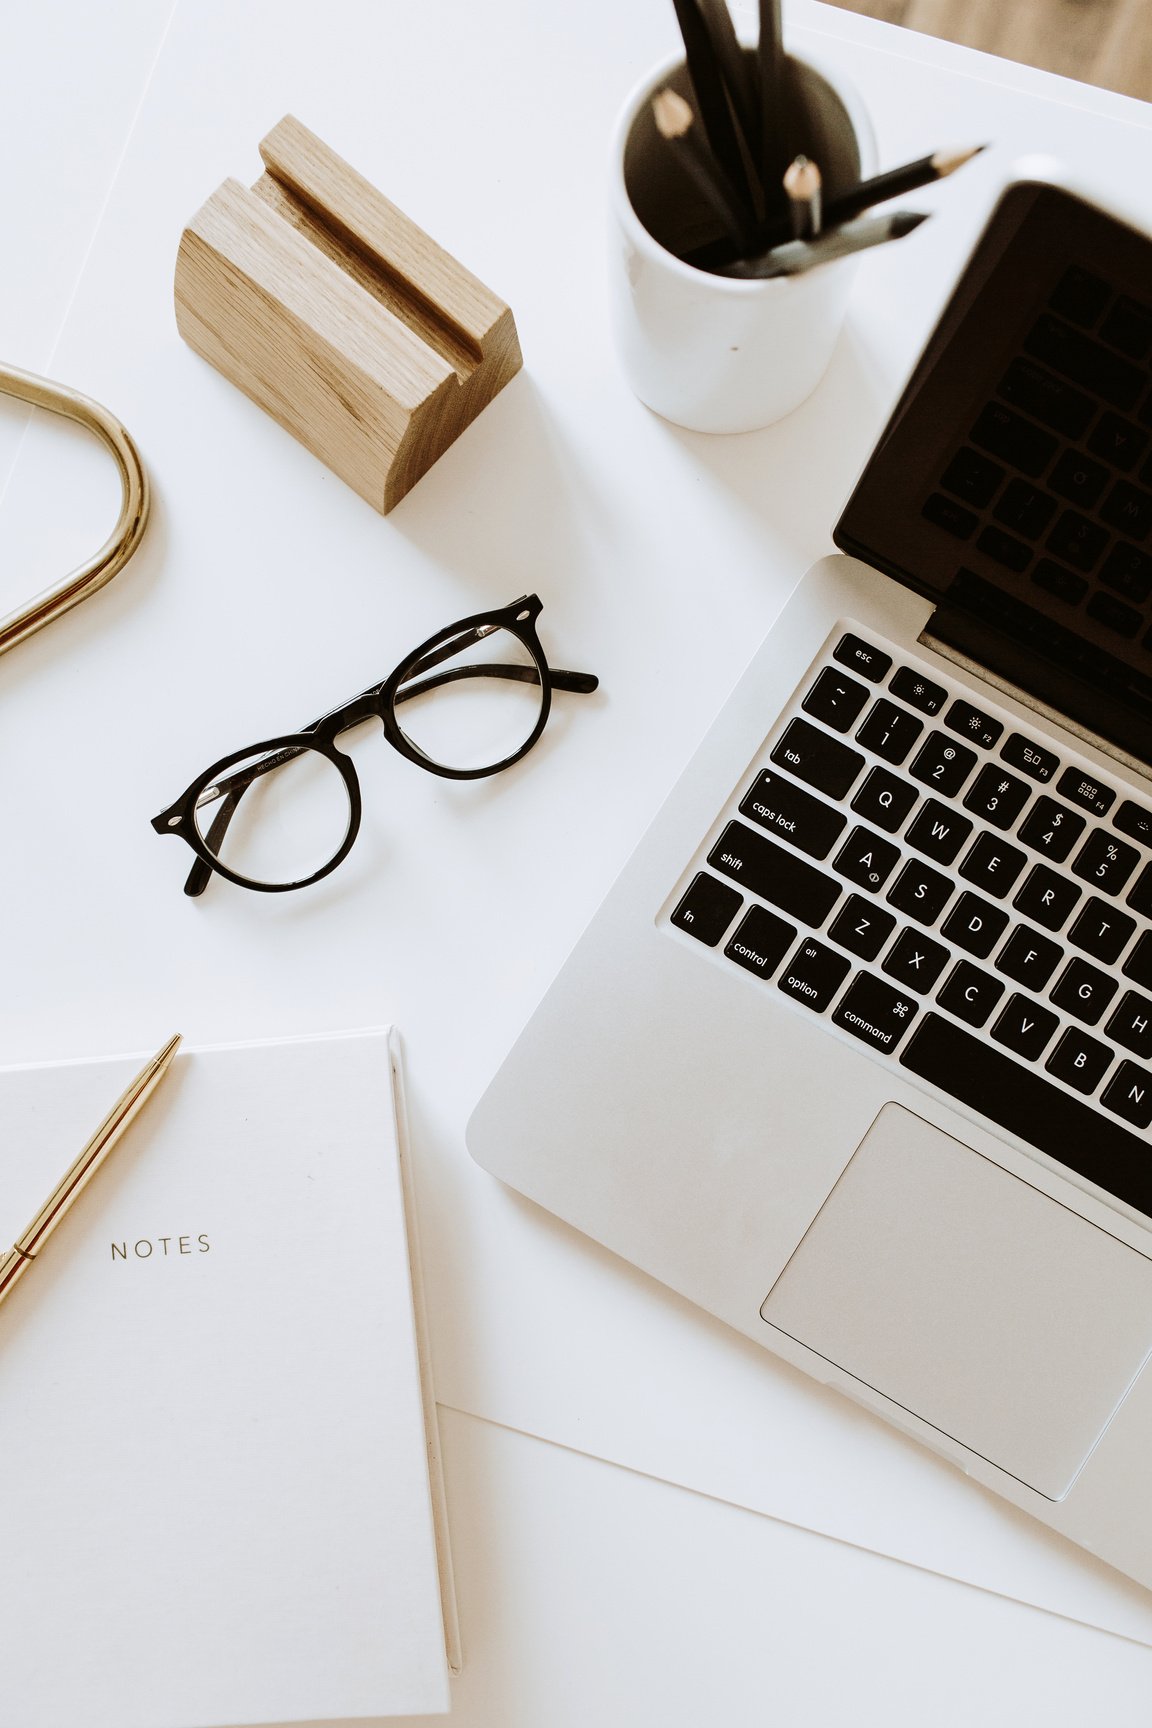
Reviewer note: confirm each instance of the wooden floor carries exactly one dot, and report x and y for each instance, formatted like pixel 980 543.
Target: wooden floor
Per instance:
pixel 1106 42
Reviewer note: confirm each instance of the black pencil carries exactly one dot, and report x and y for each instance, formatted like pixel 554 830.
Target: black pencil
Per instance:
pixel 897 181
pixel 770 59
pixel 715 114
pixel 736 69
pixel 795 256
pixel 675 121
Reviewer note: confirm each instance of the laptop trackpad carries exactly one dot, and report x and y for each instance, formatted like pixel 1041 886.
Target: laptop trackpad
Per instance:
pixel 970 1298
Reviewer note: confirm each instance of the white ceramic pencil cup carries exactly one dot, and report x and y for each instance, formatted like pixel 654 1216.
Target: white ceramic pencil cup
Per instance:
pixel 717 353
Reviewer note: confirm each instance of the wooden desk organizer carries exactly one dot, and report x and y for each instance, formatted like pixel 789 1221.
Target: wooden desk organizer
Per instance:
pixel 339 316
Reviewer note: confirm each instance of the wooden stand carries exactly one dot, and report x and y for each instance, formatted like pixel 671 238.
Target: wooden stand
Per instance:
pixel 327 306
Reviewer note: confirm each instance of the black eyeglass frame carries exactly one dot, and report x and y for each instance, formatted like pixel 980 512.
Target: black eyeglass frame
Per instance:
pixel 378 701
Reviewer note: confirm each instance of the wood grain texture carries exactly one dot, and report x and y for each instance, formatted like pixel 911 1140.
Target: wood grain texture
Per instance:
pixel 330 308
pixel 1104 42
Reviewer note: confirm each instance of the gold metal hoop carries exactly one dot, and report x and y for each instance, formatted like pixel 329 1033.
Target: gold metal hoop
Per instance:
pixel 135 501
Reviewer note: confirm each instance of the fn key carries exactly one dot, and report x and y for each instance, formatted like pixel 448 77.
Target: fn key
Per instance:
pixel 707 909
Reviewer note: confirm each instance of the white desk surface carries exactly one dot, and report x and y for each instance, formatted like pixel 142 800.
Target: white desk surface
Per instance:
pixel 588 1592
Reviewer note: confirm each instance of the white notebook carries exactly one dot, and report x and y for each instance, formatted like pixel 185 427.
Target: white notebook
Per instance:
pixel 215 1489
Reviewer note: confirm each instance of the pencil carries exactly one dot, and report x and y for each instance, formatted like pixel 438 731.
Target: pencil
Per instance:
pixel 26 1248
pixel 675 122
pixel 715 114
pixel 795 256
pixel 897 181
pixel 770 60
pixel 736 70
pixel 802 184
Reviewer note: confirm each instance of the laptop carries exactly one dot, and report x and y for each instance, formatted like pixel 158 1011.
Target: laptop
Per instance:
pixel 857 1053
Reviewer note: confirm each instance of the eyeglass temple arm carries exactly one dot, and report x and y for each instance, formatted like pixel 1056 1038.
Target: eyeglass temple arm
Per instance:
pixel 351 714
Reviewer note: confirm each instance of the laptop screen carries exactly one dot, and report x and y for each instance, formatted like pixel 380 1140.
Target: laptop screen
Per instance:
pixel 1013 482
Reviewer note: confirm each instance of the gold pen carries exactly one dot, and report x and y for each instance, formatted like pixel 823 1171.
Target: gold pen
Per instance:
pixel 127 1107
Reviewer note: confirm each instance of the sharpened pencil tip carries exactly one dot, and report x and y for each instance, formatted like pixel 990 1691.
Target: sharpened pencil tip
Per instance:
pixel 673 116
pixel 947 161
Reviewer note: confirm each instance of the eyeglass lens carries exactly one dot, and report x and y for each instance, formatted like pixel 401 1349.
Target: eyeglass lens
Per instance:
pixel 477 705
pixel 276 817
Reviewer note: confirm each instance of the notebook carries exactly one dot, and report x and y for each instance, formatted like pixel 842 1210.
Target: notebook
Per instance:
pixel 858 1051
pixel 220 1486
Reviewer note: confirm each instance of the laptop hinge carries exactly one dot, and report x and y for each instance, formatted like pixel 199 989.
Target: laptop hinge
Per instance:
pixel 1016 649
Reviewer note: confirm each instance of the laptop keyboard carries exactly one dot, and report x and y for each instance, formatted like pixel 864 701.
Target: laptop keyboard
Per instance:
pixel 956 895
pixel 1054 479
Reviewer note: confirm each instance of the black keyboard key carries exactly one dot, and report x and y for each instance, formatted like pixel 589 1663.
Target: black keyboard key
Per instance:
pixel 942 764
pixel 920 891
pixel 885 800
pixel 1004 548
pixel 1104 862
pixel 835 699
pixel 1138 965
pixel 707 908
pixel 955 519
pixel 1031 759
pixel 918 691
pixel 916 960
pixel 973 477
pixel 889 732
pixel 970 994
pixel 867 860
pixel 1014 440
pixel 1047 898
pixel 1128 571
pixel 1102 931
pixel 813 975
pixel 1140 894
pixel 972 724
pixel 818 760
pixel 1025 1027
pixel 1054 579
pixel 1084 991
pixel 1077 540
pixel 938 831
pixel 776 804
pixel 1118 441
pixel 1115 615
pixel 975 925
pixel 1128 327
pixel 875 1013
pixel 1046 398
pixel 767 870
pixel 1021 1101
pixel 1080 296
pixel 1051 828
pixel 861 927
pixel 997 796
pixel 1085 361
pixel 1135 821
pixel 1129 1094
pixel 1080 1060
pixel 760 941
pixel 860 656
pixel 1025 508
pixel 1080 788
pixel 1128 509
pixel 1078 478
pixel 1029 958
pixel 1131 1023
pixel 993 865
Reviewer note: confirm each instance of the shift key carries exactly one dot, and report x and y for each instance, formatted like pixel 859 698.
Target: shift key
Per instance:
pixel 821 761
pixel 767 870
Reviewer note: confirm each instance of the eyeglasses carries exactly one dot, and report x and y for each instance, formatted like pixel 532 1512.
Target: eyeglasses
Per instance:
pixel 284 813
